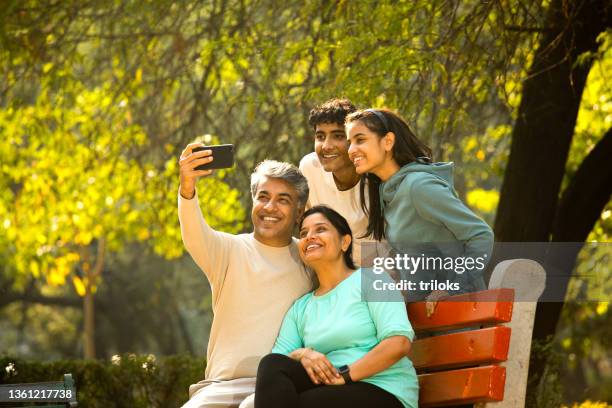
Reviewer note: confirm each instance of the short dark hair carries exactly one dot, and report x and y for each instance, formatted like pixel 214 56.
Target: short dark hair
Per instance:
pixel 339 223
pixel 332 111
pixel 407 149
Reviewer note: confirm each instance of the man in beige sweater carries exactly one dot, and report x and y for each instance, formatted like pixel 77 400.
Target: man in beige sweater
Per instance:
pixel 254 277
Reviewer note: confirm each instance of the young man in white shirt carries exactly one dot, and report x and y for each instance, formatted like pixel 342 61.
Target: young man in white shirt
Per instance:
pixel 254 277
pixel 331 175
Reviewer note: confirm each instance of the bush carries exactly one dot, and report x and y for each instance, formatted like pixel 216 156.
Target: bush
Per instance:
pixel 128 381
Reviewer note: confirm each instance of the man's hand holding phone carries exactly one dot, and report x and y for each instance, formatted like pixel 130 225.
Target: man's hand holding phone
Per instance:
pixel 197 161
pixel 188 162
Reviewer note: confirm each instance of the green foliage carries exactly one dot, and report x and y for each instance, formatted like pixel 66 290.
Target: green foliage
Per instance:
pixel 584 333
pixel 126 381
pixel 549 388
pixel 72 175
pixel 591 404
pixel 249 72
pixel 595 115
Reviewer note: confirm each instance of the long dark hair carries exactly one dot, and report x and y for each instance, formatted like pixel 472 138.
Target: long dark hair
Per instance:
pixel 406 149
pixel 339 223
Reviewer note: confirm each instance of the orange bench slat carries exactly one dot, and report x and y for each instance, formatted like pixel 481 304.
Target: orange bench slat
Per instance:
pixel 461 349
pixel 464 386
pixel 470 309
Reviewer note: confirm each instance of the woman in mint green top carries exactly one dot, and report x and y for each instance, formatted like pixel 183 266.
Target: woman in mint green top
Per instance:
pixel 335 349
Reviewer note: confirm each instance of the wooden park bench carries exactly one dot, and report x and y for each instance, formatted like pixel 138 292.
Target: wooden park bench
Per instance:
pixel 487 360
pixel 20 395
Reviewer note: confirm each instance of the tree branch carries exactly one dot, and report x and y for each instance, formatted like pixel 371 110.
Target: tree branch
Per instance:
pixel 527 29
pixel 12 297
pixel 97 270
pixel 586 196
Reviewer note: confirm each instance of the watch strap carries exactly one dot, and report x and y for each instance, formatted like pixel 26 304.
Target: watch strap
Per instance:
pixel 345 372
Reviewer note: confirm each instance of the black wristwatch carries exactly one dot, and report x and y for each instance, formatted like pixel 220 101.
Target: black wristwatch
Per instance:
pixel 345 372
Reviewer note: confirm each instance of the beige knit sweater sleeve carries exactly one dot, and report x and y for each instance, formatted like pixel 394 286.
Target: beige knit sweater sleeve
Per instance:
pixel 209 249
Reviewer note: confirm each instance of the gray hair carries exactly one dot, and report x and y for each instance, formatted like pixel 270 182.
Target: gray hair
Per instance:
pixel 284 171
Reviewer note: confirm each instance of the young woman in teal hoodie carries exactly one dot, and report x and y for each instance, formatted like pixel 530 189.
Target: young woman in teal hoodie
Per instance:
pixel 413 203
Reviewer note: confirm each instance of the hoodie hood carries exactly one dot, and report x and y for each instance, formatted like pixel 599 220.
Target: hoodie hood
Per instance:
pixel 441 170
pixel 423 215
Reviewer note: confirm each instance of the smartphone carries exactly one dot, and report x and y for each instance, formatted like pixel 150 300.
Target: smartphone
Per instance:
pixel 223 157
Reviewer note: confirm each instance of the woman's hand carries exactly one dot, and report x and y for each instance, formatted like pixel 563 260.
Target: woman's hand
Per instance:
pixel 431 301
pixel 319 368
pixel 337 381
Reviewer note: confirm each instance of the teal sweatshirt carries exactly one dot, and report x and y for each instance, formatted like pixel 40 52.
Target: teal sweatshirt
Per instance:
pixel 421 207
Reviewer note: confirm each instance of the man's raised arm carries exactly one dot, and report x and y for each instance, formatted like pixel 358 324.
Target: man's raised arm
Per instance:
pixel 208 248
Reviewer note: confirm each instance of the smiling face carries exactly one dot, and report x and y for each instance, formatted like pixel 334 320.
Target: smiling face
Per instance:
pixel 369 152
pixel 320 241
pixel 276 209
pixel 331 147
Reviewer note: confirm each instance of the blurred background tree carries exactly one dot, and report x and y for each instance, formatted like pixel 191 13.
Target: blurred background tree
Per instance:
pixel 98 98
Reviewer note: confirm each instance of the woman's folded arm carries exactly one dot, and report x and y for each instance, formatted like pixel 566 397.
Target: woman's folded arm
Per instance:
pixel 384 355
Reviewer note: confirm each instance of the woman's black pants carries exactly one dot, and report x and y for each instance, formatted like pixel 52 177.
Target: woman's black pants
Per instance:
pixel 283 382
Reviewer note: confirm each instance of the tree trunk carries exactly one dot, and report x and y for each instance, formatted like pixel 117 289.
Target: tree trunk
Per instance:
pixel 89 326
pixel 577 213
pixel 587 194
pixel 547 114
pixel 541 139
pixel 544 129
pixel 91 278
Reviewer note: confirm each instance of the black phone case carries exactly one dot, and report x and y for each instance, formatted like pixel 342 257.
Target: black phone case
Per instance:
pixel 223 156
